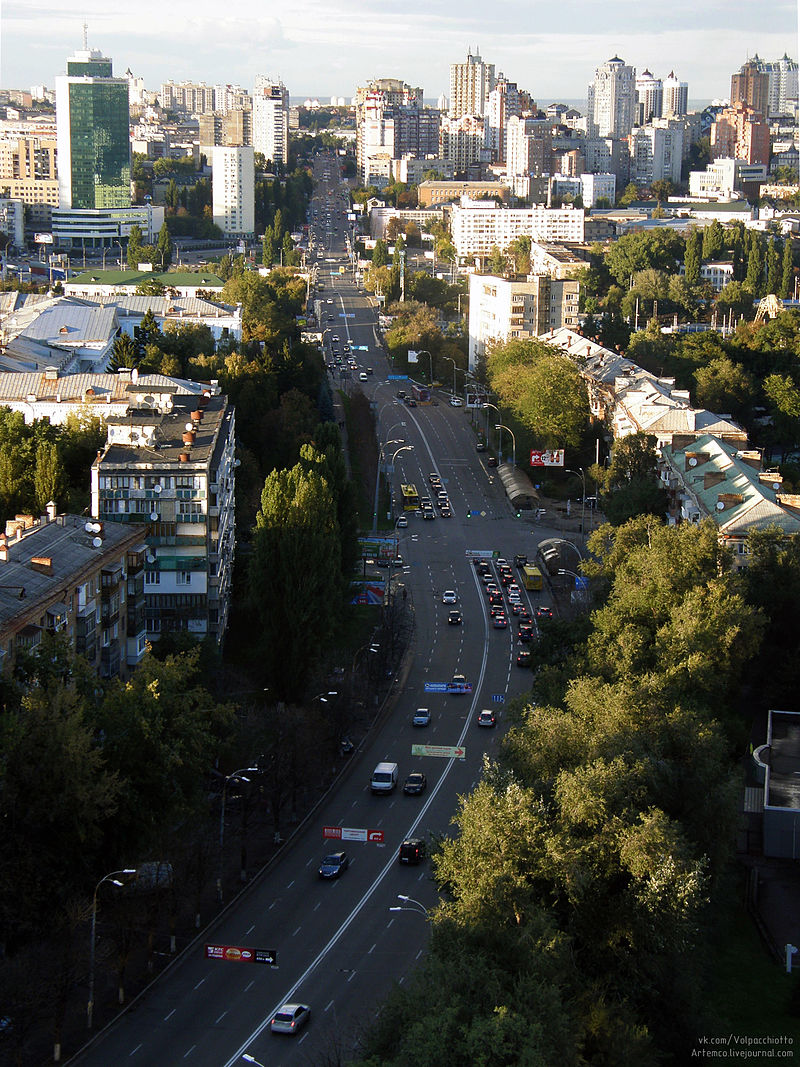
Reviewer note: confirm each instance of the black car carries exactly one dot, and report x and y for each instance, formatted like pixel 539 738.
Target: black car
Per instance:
pixel 333 865
pixel 415 784
pixel 525 632
pixel 412 851
pixel 491 461
pixel 523 658
pixel 454 618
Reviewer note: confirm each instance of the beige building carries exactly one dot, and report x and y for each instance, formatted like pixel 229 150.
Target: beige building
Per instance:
pixel 62 574
pixel 505 309
pixel 433 192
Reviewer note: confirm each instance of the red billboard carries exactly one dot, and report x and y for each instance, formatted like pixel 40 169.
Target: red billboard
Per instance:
pixel 547 457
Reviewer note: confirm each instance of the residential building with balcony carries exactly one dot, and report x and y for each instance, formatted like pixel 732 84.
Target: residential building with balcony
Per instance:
pixel 477 228
pixel 168 469
pixel 505 309
pixel 62 574
pixel 233 190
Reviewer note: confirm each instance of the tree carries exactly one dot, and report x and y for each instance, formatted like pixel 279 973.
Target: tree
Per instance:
pixel 787 269
pixel 735 297
pixel 134 247
pixel 295 576
pixel 268 247
pixel 754 280
pixel 123 353
pixel 713 241
pixel 723 385
pixel 380 254
pixel 497 263
pixel 692 257
pixel 49 478
pixel 148 332
pixel 543 389
pixel 631 483
pixel 629 194
pixel 662 189
pixel 164 247
pixel 657 249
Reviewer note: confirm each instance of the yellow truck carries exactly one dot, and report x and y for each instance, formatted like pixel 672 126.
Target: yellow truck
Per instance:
pixel 531 577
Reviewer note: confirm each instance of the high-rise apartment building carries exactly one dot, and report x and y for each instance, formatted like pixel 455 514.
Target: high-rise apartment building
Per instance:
pixel 94 158
pixel 740 132
pixel 528 146
pixel 233 190
pixel 233 129
pixel 187 98
pixel 271 119
pixel 612 100
pixel 656 152
pixel 462 141
pixel 751 87
pixel 676 97
pixel 649 97
pixel 503 103
pixel 392 122
pixel 470 85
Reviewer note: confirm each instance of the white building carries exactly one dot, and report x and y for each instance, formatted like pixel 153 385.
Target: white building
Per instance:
pixel 676 97
pixel 656 152
pixel 462 141
pixel 12 221
pixel 109 228
pixel 503 309
pixel 478 227
pixel 503 103
pixel 649 97
pixel 271 119
pixel 470 85
pixel 233 180
pixel 596 187
pixel 723 178
pixel 612 100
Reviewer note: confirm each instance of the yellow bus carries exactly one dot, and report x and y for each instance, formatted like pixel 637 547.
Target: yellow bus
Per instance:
pixel 531 577
pixel 410 497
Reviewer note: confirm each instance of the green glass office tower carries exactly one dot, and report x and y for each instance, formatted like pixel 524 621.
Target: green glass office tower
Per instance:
pixel 94 162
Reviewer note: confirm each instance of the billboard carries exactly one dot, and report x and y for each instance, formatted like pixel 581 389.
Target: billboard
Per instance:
pixel 476 400
pixel 552 457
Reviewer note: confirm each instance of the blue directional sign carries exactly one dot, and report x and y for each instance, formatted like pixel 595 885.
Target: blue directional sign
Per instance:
pixel 474 513
pixel 346 315
pixel 396 377
pixel 436 687
pixel 498 698
pixel 361 348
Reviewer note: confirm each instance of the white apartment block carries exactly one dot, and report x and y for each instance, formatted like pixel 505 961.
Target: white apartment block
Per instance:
pixel 557 261
pixel 612 100
pixel 527 146
pixel 470 85
pixel 649 96
pixel 723 178
pixel 12 221
pixel 478 228
pixel 716 274
pixel 271 119
pixel 676 97
pixel 233 190
pixel 462 141
pixel 596 187
pixel 412 171
pixel 502 104
pixel 656 153
pixel 503 309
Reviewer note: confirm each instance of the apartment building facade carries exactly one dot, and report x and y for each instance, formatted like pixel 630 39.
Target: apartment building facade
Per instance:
pixel 477 228
pixel 62 574
pixel 233 190
pixel 168 469
pixel 271 119
pixel 505 309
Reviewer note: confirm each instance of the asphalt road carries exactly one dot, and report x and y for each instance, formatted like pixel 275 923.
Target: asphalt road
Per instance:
pixel 339 947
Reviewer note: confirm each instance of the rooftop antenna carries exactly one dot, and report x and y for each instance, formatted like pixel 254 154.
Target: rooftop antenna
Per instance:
pixel 86 36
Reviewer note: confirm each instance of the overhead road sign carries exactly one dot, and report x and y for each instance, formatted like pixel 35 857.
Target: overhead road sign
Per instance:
pixel 443 751
pixel 480 553
pixel 349 833
pixel 242 954
pixel 436 687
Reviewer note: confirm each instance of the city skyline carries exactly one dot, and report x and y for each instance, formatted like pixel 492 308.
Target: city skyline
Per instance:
pixel 324 50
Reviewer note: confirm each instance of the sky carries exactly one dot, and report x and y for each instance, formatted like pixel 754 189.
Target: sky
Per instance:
pixel 326 49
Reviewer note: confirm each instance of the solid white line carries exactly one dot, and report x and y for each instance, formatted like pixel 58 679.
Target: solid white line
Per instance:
pixel 219 1020
pixel 134 1051
pixel 200 983
pixel 390 863
pixel 328 1006
pixel 191 1050
pixel 170 1014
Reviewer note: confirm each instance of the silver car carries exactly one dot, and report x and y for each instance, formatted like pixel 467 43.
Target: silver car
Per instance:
pixel 290 1018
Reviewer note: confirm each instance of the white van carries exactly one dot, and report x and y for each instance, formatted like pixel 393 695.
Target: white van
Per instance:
pixel 384 778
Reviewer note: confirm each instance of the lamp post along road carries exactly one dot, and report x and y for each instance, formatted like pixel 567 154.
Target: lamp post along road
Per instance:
pixel 500 426
pixel 238 776
pixel 113 878
pixel 582 477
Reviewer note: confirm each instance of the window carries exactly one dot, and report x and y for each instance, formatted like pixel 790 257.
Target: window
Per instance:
pixel 152 577
pixel 183 577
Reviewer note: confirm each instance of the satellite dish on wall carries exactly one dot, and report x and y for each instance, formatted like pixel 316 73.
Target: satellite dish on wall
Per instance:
pixel 157 488
pixel 692 461
pixel 150 557
pixel 776 485
pixel 135 375
pixel 154 516
pixel 720 506
pixel 188 427
pixel 89 527
pixel 97 542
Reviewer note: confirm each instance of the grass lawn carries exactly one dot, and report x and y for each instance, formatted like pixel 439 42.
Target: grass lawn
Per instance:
pixel 752 994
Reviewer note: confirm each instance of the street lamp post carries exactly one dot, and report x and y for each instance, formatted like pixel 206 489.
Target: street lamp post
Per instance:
pixel 409 904
pixel 564 571
pixel 500 426
pixel 563 541
pixel 494 407
pixel 425 352
pixel 114 880
pixel 381 454
pixel 454 372
pixel 582 477
pixel 238 776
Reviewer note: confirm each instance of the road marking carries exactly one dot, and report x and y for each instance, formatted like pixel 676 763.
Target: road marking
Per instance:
pixel 248 987
pixel 289 886
pixel 351 976
pixel 328 1006
pixel 252 928
pixel 372 949
pixel 170 1014
pixel 191 1050
pixel 219 1020
pixel 317 905
pixel 419 953
pixel 200 983
pixel 272 905
pixel 133 1053
pixel 297 931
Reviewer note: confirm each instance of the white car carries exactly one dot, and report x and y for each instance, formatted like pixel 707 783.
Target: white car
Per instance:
pixel 290 1018
pixel 455 402
pixel 449 597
